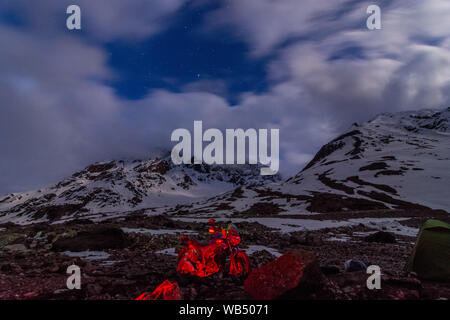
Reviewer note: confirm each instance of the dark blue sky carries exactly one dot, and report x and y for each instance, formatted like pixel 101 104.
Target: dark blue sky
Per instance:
pixel 183 54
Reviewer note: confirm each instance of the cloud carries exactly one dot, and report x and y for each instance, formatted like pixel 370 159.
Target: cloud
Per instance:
pixel 57 113
pixel 52 113
pixel 324 69
pixel 215 86
pixel 129 20
pixel 104 20
pixel 324 49
pixel 266 24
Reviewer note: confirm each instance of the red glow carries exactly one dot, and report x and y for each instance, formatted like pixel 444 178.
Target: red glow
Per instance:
pixel 240 264
pixel 203 260
pixel 166 290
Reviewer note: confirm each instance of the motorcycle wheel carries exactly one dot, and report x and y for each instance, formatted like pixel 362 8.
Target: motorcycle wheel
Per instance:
pixel 241 265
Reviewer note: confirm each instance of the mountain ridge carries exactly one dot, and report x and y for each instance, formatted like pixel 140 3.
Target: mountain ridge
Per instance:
pixel 120 186
pixel 394 161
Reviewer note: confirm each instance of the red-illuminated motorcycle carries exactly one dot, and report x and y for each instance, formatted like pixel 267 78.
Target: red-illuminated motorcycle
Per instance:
pixel 203 260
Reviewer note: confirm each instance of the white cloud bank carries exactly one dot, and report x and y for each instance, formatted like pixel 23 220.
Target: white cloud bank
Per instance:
pixel 325 71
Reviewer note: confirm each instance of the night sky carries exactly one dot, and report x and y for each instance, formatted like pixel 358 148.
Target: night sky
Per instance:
pixel 184 54
pixel 139 69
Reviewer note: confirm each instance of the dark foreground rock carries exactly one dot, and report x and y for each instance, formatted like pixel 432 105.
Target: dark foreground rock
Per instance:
pixel 352 286
pixel 381 237
pixel 107 238
pixel 295 275
pixel 132 263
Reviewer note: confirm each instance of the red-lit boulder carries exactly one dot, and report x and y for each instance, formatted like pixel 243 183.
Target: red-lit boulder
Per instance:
pixel 294 275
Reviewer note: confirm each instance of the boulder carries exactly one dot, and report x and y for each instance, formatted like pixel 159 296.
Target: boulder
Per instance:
pixel 330 269
pixel 259 258
pixel 100 239
pixel 355 266
pixel 381 237
pixel 294 275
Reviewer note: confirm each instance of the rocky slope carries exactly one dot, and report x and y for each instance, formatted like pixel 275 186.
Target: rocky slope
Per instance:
pixel 121 258
pixel 117 187
pixel 392 159
pixel 395 161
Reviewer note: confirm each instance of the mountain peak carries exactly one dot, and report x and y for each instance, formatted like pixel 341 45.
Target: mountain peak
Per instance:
pixel 120 186
pixel 395 159
pixel 422 120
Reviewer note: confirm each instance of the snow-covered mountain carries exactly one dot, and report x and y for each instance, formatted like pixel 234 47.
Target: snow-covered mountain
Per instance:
pixel 390 159
pixel 120 186
pixel 395 161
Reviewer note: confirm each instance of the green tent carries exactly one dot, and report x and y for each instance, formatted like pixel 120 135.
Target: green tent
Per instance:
pixel 431 256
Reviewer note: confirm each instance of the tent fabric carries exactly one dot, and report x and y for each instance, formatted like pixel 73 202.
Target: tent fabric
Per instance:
pixel 431 255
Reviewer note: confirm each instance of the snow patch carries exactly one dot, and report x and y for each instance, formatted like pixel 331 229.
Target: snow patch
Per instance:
pixel 88 255
pixel 254 248
pixel 288 225
pixel 168 251
pixel 157 232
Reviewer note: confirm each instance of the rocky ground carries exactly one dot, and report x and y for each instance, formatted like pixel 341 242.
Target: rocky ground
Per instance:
pixel 122 258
